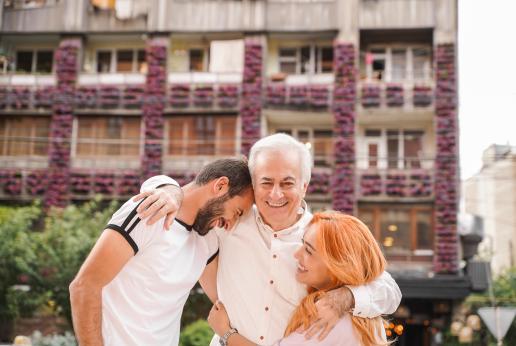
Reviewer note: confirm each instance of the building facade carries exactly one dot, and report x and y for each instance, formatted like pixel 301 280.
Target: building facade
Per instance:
pixel 491 195
pixel 97 95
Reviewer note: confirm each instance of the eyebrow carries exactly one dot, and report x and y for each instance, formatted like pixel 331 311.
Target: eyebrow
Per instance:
pixel 308 244
pixel 288 178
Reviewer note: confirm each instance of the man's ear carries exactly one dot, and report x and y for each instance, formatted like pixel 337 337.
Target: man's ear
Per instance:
pixel 305 187
pixel 221 186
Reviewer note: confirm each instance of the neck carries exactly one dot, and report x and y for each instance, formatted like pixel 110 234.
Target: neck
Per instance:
pixel 276 227
pixel 193 200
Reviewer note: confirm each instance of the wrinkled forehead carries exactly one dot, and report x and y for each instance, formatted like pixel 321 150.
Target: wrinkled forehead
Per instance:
pixel 279 164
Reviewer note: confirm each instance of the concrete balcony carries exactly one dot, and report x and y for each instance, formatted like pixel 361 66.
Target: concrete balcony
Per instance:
pixel 209 16
pixel 20 17
pixel 397 14
pixel 295 15
pixel 26 92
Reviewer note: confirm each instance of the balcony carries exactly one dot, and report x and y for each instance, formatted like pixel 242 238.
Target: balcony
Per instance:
pixel 23 16
pixel 313 92
pixel 395 96
pixel 395 184
pixel 209 16
pixel 21 92
pixel 399 14
pixel 295 15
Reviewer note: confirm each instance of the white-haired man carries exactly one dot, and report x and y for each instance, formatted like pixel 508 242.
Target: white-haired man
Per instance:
pixel 254 275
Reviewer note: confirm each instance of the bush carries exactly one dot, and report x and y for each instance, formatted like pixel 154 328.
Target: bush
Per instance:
pixel 53 340
pixel 196 334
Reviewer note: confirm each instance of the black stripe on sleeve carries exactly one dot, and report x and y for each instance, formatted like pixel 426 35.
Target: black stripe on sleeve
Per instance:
pixel 125 235
pixel 185 225
pixel 212 257
pixel 131 215
pixel 130 229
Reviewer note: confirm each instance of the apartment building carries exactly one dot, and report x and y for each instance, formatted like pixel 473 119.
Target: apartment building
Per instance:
pixel 490 194
pixel 97 95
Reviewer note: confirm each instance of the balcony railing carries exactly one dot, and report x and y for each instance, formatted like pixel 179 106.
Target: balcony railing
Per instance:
pixel 395 183
pixel 397 14
pixel 395 95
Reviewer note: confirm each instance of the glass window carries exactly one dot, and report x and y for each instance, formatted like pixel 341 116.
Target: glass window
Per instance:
pixel 413 147
pixel 305 60
pixel 399 64
pixel 392 148
pixel 395 231
pixel 108 136
pixel 323 147
pixel 424 230
pixel 288 60
pixel 372 154
pixel 196 60
pixel 124 61
pixel 24 135
pixel 44 59
pixel 421 62
pixel 141 63
pixel 24 61
pixel 104 61
pixel 326 59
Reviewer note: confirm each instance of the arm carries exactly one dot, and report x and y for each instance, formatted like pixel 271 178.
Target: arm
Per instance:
pixel 219 322
pixel 163 199
pixel 208 280
pixel 107 258
pixel 381 296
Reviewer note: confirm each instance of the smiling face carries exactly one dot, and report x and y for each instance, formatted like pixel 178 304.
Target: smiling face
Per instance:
pixel 278 188
pixel 223 212
pixel 311 270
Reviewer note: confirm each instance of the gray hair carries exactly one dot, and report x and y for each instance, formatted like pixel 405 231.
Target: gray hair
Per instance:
pixel 285 144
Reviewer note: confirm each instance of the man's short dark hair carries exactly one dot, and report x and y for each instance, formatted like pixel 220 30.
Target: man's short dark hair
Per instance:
pixel 236 170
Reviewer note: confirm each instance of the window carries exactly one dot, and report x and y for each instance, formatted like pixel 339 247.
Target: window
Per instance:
pixel 201 135
pixel 401 230
pixel 121 61
pixel 319 141
pixel 396 64
pixel 306 60
pixel 108 136
pixel 24 136
pixel 30 61
pixel 393 149
pixel 196 60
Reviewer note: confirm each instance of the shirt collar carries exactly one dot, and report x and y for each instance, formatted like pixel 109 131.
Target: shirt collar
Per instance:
pixel 185 225
pixel 303 221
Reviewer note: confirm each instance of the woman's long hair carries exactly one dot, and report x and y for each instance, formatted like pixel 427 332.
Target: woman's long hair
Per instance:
pixel 352 257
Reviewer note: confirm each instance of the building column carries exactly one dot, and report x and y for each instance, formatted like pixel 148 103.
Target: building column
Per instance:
pixel 344 99
pixel 446 162
pixel 154 106
pixel 251 99
pixel 67 65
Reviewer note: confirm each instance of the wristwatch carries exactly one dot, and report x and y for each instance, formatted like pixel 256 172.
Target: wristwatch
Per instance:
pixel 224 338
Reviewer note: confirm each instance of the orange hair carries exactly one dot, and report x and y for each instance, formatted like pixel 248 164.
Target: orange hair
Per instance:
pixel 352 257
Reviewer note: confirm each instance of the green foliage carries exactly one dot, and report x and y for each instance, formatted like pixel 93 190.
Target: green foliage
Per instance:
pixel 23 303
pixel 198 333
pixel 53 340
pixel 197 306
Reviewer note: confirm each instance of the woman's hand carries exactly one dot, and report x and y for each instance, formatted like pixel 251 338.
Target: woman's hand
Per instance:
pixel 219 319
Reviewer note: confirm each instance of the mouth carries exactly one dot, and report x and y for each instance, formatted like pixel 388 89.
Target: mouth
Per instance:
pixel 276 204
pixel 301 269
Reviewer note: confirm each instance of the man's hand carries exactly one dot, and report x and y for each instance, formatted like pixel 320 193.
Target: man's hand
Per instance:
pixel 159 203
pixel 330 308
pixel 218 319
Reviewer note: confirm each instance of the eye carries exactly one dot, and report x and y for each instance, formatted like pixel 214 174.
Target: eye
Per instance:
pixel 307 250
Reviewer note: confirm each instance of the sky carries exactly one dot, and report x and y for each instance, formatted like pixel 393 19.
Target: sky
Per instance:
pixel 487 78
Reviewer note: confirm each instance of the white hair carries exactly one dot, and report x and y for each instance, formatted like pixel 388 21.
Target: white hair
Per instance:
pixel 285 144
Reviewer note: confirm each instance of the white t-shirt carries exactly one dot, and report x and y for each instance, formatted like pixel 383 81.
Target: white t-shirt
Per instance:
pixel 143 304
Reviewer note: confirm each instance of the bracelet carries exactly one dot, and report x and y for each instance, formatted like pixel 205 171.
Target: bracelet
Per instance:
pixel 224 339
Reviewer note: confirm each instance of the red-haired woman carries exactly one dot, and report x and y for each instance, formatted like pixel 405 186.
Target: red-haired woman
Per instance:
pixel 337 250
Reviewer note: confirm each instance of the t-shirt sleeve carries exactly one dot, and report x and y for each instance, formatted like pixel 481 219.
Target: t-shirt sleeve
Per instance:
pixel 126 222
pixel 213 245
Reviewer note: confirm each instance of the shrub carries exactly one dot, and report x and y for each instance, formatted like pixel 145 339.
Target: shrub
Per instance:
pixel 198 333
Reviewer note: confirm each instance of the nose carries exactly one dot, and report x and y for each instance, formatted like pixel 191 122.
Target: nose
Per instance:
pixel 297 254
pixel 276 192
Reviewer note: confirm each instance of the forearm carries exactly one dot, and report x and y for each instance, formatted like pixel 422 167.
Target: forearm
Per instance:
pixel 341 300
pixel 86 305
pixel 238 340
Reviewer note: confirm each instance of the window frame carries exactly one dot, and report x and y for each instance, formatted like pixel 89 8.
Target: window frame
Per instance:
pixel 412 210
pixel 6 142
pixel 114 59
pixel 315 60
pixel 34 63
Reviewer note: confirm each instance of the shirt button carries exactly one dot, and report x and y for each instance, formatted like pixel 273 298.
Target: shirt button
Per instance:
pixel 275 235
pixel 274 256
pixel 266 308
pixel 261 337
pixel 271 282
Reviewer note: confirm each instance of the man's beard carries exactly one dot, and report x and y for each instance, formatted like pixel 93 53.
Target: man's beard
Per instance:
pixel 211 211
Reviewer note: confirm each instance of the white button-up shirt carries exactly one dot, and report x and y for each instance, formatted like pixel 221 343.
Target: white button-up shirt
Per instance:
pixel 256 278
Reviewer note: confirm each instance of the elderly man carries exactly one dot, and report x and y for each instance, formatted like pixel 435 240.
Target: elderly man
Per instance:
pixel 132 287
pixel 254 275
